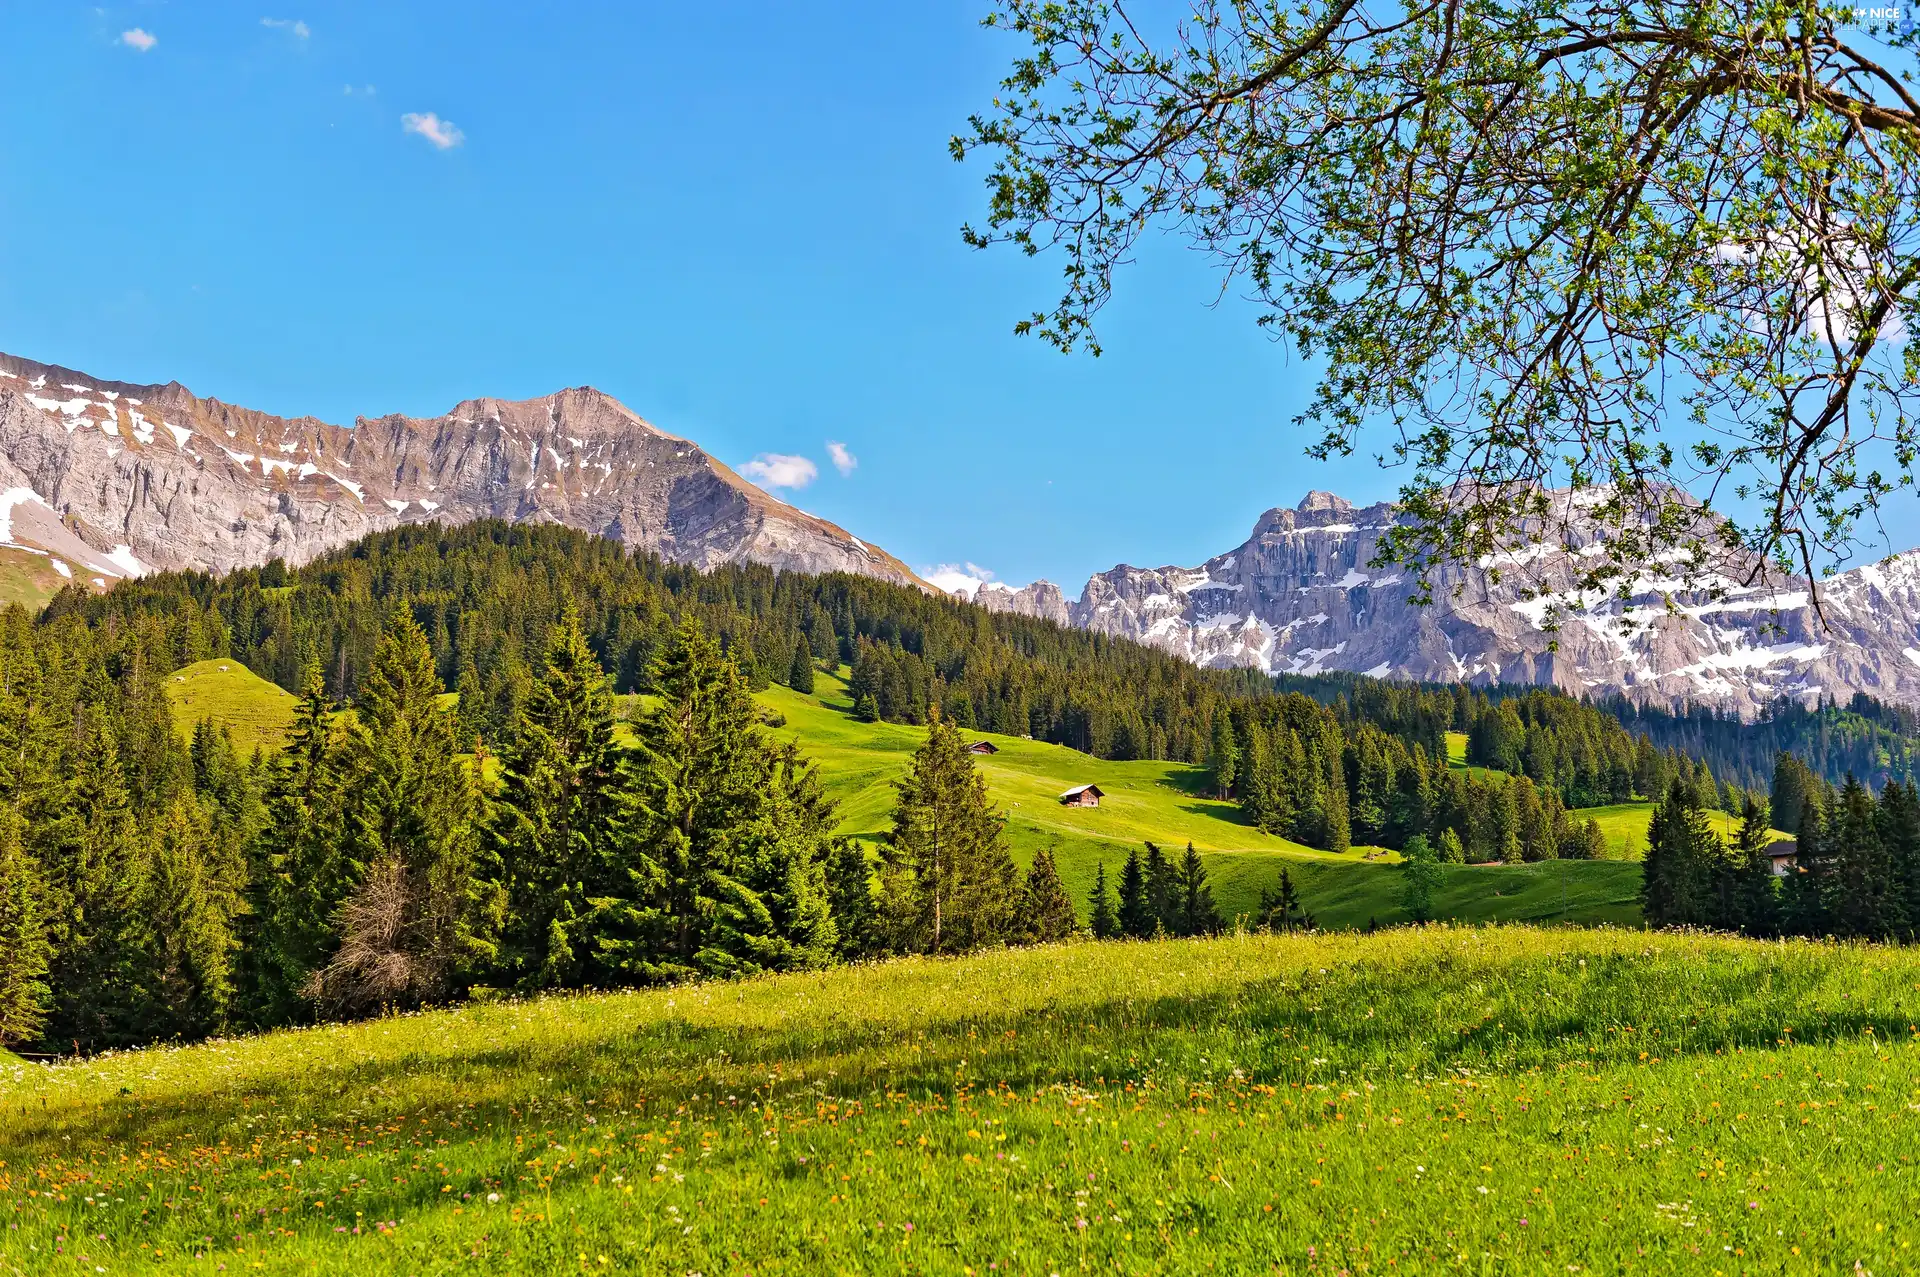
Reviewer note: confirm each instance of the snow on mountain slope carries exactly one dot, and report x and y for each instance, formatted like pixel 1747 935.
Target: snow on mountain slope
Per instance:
pixel 1300 597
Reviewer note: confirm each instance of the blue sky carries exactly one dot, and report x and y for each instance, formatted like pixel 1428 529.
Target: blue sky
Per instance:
pixel 738 218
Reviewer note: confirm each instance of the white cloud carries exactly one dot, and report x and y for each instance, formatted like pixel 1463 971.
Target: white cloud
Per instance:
pixel 299 28
pixel 843 461
pixel 138 39
pixel 365 90
pixel 777 470
pixel 957 578
pixel 444 134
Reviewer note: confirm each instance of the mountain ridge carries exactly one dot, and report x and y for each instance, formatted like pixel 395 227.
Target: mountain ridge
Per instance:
pixel 118 478
pixel 1300 596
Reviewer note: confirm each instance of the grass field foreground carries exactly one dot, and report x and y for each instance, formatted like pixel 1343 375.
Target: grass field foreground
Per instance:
pixel 1494 1100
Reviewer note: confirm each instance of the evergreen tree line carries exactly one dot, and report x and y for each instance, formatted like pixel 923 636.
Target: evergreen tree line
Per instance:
pixel 486 593
pixel 1869 739
pixel 1855 870
pixel 152 888
pixel 1305 771
pixel 1155 896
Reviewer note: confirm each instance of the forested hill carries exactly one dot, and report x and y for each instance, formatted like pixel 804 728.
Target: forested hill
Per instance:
pixel 487 592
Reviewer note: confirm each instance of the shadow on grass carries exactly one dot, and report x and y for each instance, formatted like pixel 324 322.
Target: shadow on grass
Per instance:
pixel 1429 1017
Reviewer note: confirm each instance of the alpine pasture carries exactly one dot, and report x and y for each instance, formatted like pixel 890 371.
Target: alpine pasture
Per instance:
pixel 1440 1099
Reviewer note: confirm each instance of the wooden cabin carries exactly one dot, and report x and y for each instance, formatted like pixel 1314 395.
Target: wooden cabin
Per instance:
pixel 983 747
pixel 1785 855
pixel 1082 796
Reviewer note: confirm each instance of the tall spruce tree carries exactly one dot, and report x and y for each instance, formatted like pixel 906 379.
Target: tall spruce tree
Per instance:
pixel 850 896
pixel 98 971
pixel 561 818
pixel 24 943
pixel 1163 891
pixel 1678 875
pixel 1136 916
pixel 1900 835
pixel 301 872
pixel 1046 910
pixel 188 909
pixel 800 669
pixel 1198 915
pixel 1863 899
pixel 1755 905
pixel 1102 920
pixel 952 885
pixel 1420 877
pixel 731 834
pixel 1804 895
pixel 426 911
pixel 1223 756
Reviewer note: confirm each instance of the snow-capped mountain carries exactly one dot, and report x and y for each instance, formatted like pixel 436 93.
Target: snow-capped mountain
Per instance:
pixel 111 480
pixel 1300 597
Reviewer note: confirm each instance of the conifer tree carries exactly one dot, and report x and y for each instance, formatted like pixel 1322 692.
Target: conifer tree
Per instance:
pixel 1163 892
pixel 1102 920
pixel 1136 916
pixel 187 914
pixel 425 912
pixel 731 834
pixel 1283 911
pixel 561 820
pixel 300 872
pixel 782 865
pixel 800 670
pixel 470 704
pixel 1793 785
pixel 24 943
pixel 1754 909
pixel 1863 900
pixel 98 970
pixel 1449 849
pixel 1677 875
pixel 1804 895
pixel 1900 835
pixel 1223 756
pixel 1198 916
pixel 856 913
pixel 1420 877
pixel 1046 910
pixel 953 885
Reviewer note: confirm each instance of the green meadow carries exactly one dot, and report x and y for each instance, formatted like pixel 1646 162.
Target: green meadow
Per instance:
pixel 1164 802
pixel 1442 1099
pixel 1167 803
pixel 255 711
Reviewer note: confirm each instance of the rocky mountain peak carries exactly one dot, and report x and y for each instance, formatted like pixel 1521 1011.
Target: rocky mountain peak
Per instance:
pixel 166 478
pixel 1302 595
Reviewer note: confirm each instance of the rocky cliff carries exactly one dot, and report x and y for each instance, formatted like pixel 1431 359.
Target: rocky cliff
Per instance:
pixel 112 479
pixel 1300 597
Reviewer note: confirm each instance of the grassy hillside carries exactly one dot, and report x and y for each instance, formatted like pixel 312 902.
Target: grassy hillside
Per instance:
pixel 256 711
pixel 1159 801
pixel 1494 1101
pixel 28 579
pixel 1166 803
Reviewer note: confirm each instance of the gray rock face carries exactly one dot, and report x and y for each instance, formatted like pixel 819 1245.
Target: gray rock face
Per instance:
pixel 142 477
pixel 1300 597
